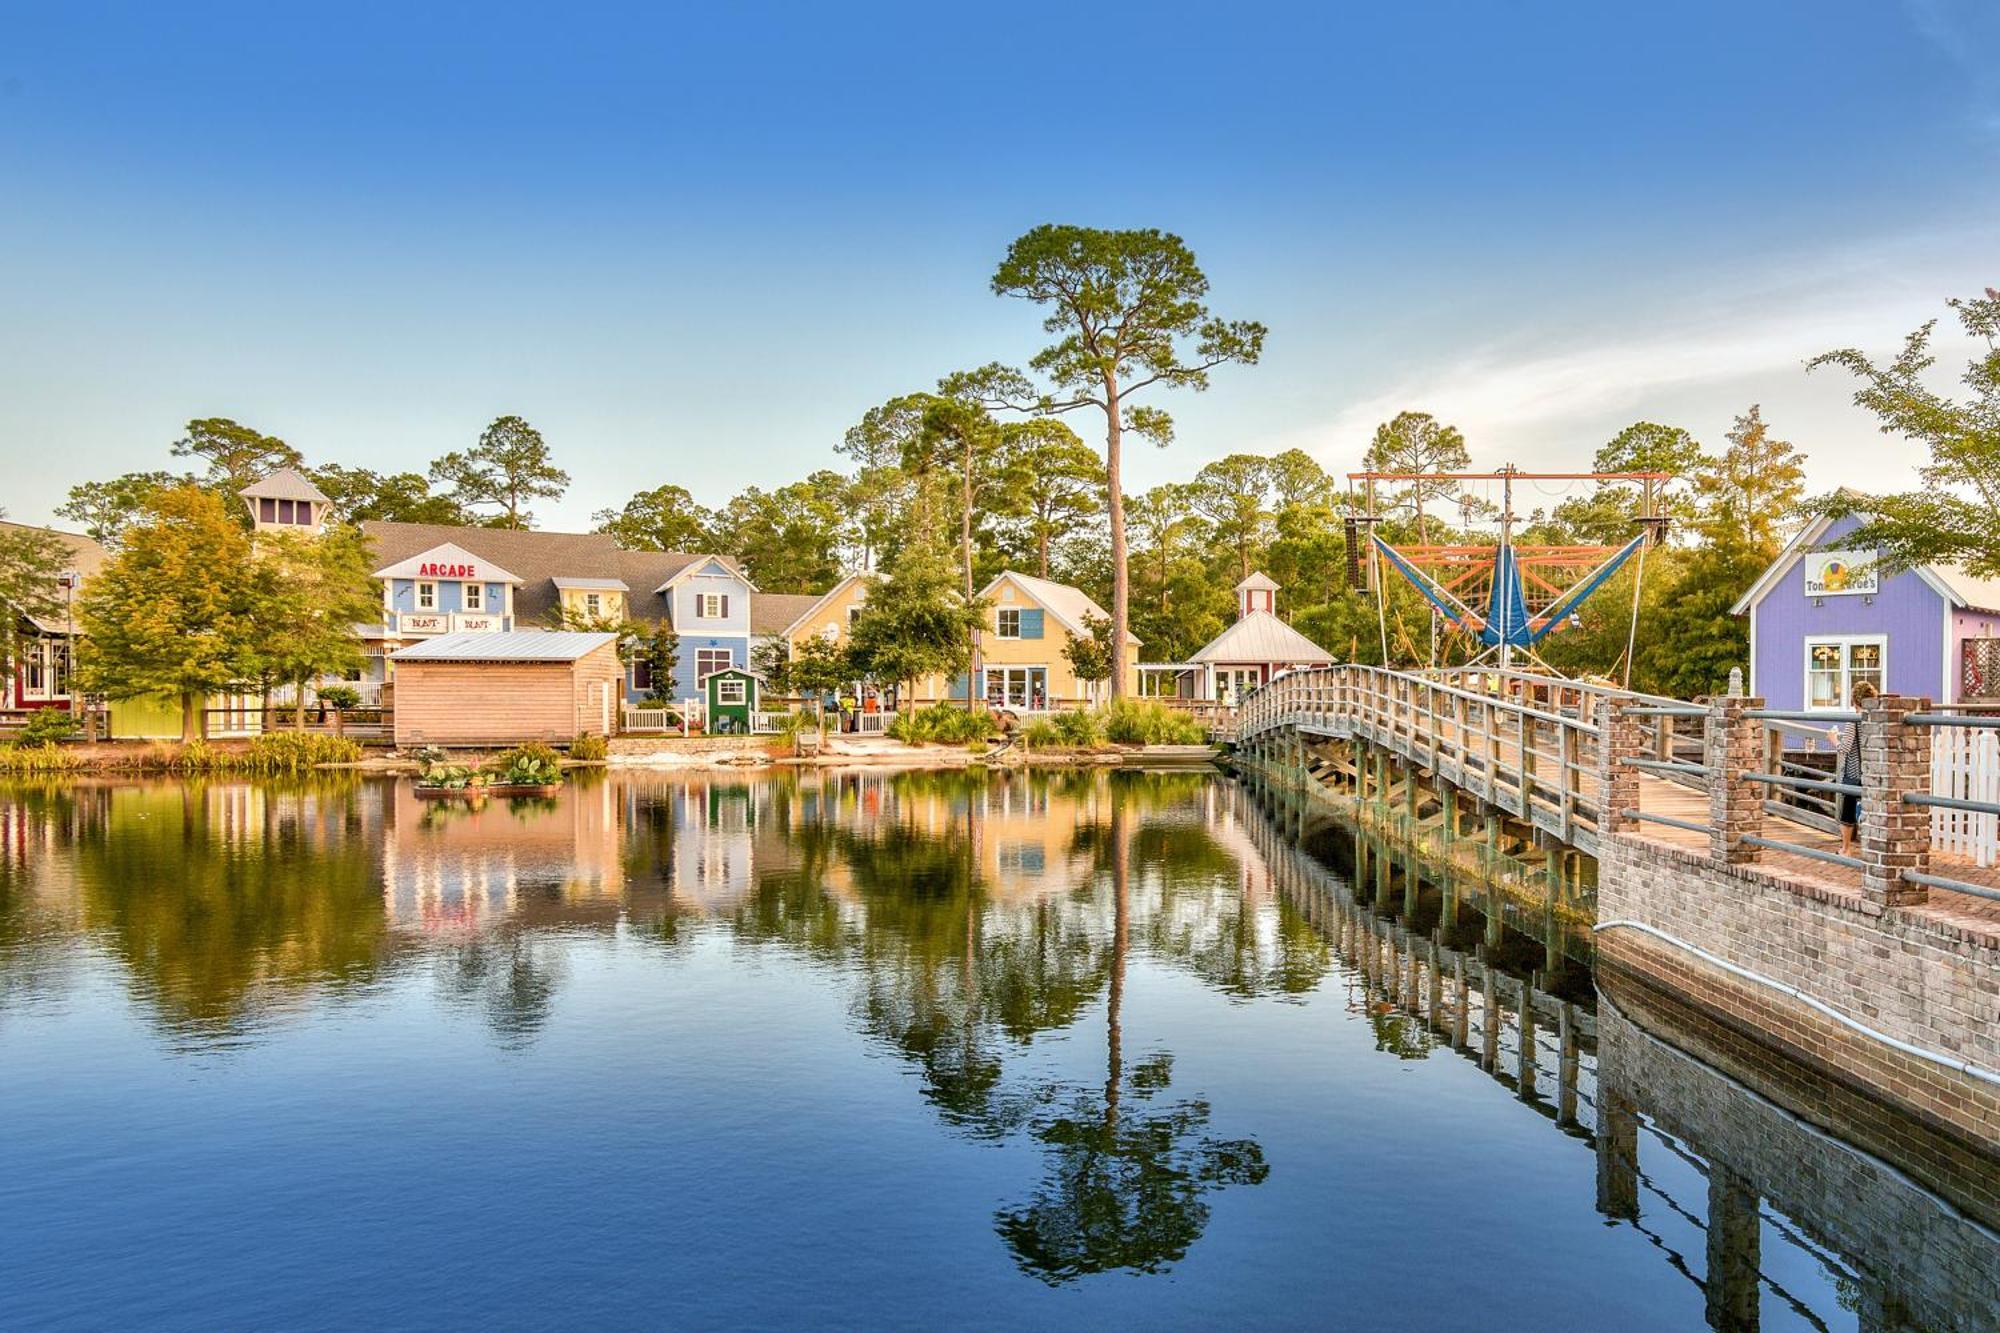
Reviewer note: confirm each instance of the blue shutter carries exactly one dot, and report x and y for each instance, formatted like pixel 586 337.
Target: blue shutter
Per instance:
pixel 1031 624
pixel 959 685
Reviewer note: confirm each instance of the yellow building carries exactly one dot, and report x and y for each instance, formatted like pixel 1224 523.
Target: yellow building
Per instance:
pixel 832 614
pixel 1021 663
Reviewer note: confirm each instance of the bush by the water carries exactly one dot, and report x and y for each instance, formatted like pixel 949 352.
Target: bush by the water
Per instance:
pixel 530 765
pixel 1079 727
pixel 948 723
pixel 48 726
pixel 43 758
pixel 272 753
pixel 1150 722
pixel 1041 734
pixel 589 747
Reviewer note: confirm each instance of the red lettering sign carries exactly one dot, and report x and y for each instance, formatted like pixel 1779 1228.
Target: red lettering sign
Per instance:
pixel 436 571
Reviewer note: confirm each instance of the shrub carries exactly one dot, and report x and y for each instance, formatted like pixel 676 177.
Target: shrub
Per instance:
pixel 292 752
pixel 1041 734
pixel 589 747
pixel 530 765
pixel 43 758
pixel 1077 727
pixel 1149 722
pixel 47 726
pixel 943 722
pixel 339 696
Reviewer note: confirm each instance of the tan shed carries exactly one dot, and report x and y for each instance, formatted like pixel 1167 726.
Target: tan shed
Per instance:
pixel 504 689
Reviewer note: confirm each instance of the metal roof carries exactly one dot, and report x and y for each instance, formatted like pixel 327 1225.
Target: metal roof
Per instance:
pixel 591 585
pixel 284 484
pixel 1262 637
pixel 521 645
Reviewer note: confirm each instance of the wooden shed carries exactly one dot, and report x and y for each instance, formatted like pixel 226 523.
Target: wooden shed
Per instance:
pixel 507 688
pixel 732 696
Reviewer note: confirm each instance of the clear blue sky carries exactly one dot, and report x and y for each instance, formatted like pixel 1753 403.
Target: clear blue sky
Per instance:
pixel 694 246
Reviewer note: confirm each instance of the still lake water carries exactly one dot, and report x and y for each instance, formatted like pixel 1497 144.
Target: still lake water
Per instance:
pixel 858 1050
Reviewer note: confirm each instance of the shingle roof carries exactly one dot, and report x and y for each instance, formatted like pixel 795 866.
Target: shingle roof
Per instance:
pixel 284 484
pixel 521 645
pixel 1262 637
pixel 774 612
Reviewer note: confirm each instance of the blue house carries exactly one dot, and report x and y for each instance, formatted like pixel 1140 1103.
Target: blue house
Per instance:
pixel 443 579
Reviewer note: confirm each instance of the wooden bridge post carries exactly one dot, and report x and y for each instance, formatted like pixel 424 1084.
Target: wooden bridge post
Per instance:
pixel 1893 836
pixel 1732 745
pixel 1618 737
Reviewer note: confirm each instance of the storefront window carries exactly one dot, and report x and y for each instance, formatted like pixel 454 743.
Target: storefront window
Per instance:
pixel 1835 666
pixel 1017 687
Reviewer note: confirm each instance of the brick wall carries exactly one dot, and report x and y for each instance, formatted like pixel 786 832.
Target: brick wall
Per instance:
pixel 1914 979
pixel 1922 1262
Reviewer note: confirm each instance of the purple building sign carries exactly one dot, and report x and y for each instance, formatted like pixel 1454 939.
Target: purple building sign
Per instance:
pixel 1823 618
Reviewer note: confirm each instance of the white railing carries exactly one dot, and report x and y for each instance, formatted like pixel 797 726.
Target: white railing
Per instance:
pixel 658 720
pixel 1965 766
pixel 764 723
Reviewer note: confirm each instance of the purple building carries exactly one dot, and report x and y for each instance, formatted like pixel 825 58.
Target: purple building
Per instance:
pixel 1823 618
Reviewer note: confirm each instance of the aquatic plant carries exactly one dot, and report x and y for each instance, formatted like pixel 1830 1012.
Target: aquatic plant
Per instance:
pixel 1149 722
pixel 589 748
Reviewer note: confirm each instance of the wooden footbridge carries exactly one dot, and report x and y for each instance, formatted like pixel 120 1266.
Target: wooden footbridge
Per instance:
pixel 1559 764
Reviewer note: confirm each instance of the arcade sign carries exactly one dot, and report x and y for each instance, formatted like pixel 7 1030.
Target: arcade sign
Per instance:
pixel 437 570
pixel 1841 574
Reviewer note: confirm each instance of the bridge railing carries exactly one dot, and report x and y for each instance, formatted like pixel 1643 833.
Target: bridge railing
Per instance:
pixel 1535 754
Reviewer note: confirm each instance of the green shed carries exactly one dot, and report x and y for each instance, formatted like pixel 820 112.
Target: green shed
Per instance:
pixel 732 694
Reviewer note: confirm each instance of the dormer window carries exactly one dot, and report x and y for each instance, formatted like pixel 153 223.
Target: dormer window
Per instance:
pixel 712 605
pixel 475 596
pixel 593 604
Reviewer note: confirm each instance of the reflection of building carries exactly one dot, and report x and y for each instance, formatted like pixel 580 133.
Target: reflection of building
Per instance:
pixel 454 865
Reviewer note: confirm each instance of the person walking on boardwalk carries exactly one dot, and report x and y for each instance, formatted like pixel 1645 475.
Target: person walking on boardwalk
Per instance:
pixel 1847 767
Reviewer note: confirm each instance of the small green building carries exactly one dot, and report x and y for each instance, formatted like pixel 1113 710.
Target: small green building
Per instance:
pixel 733 696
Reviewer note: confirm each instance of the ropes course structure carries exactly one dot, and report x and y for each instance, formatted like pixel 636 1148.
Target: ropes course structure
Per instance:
pixel 1504 595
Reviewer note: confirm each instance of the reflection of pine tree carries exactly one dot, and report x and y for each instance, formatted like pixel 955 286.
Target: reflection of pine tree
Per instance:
pixel 1123 1187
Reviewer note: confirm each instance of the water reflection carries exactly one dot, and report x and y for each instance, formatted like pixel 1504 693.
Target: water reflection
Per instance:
pixel 1008 943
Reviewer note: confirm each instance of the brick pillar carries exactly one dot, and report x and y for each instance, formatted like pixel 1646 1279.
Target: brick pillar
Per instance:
pixel 1617 783
pixel 1892 836
pixel 1731 745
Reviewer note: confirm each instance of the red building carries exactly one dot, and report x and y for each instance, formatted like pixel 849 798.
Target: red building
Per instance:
pixel 39 675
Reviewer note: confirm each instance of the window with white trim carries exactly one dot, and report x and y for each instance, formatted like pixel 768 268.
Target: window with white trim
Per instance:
pixel 593 604
pixel 475 597
pixel 427 596
pixel 732 691
pixel 1836 664
pixel 711 605
pixel 711 659
pixel 1007 623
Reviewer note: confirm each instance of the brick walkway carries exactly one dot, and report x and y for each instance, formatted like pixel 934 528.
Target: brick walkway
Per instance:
pixel 1979 917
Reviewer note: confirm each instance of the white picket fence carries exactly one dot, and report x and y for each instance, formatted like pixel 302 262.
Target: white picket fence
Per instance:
pixel 1965 764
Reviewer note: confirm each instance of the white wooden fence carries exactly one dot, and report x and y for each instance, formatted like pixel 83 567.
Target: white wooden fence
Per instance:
pixel 1965 765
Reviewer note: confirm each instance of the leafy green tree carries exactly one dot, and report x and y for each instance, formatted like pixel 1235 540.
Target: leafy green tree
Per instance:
pixel 236 455
pixel 362 495
pixel 1688 645
pixel 1609 513
pixel 658 648
pixel 1089 653
pixel 31 562
pixel 176 611
pixel 880 490
pixel 1129 314
pixel 1956 516
pixel 665 518
pixel 507 470
pixel 1753 494
pixel 821 667
pixel 789 538
pixel 1414 442
pixel 104 509
pixel 1050 485
pixel 1232 494
pixel 917 623
pixel 1296 478
pixel 312 591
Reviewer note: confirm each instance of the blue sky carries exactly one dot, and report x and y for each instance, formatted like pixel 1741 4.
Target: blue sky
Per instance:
pixel 694 245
